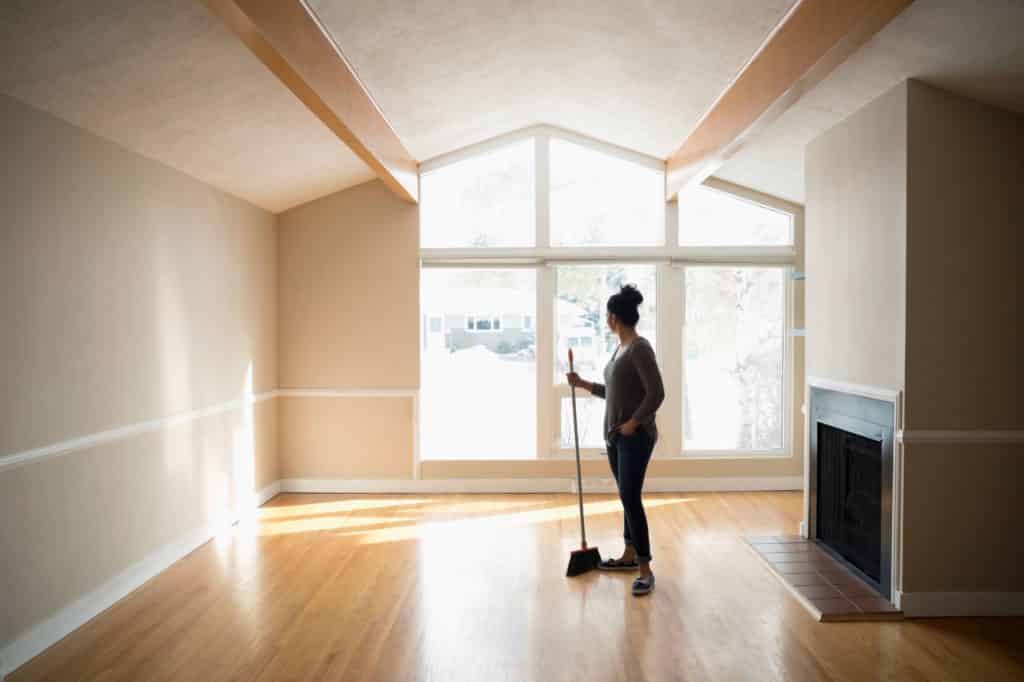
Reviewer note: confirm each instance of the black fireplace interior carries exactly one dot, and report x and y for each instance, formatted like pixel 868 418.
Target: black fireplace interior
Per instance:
pixel 849 497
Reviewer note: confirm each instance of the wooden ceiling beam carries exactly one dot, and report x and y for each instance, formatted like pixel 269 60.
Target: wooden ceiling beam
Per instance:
pixel 812 39
pixel 290 40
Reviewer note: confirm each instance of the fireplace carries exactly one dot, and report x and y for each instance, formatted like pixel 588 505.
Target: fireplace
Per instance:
pixel 851 482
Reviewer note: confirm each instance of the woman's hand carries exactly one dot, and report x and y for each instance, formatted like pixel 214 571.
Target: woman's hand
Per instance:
pixel 575 380
pixel 628 428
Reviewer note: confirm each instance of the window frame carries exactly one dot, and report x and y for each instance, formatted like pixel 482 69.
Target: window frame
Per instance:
pixel 670 261
pixel 419 412
pixel 474 152
pixel 719 186
pixel 787 368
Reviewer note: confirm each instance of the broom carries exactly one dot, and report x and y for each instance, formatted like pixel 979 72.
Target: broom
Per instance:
pixel 583 559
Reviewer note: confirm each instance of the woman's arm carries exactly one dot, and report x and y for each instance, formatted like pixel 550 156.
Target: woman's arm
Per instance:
pixel 577 381
pixel 650 376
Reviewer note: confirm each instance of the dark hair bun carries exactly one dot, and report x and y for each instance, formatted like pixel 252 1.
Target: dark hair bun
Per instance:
pixel 631 295
pixel 625 303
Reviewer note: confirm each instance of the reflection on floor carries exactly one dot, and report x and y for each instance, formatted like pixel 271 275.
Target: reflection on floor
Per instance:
pixel 472 587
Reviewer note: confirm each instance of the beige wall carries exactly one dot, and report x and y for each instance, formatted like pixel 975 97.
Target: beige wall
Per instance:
pixel 856 246
pixel 351 437
pixel 349 291
pixel 129 293
pixel 964 366
pixel 349 311
pixel 964 277
pixel 962 520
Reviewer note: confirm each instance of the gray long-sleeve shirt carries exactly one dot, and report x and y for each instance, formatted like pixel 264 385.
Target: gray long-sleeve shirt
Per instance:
pixel 632 388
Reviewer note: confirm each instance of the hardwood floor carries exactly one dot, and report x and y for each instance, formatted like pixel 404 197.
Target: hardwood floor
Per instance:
pixel 469 587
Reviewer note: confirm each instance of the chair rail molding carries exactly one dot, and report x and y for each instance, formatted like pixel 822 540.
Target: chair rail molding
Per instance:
pixel 122 432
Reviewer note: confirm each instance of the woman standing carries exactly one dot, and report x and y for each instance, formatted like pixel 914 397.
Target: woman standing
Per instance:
pixel 633 391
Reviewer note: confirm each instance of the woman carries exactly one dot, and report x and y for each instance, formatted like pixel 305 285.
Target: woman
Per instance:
pixel 633 392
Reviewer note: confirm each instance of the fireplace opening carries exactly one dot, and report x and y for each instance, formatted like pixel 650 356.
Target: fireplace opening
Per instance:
pixel 850 482
pixel 849 499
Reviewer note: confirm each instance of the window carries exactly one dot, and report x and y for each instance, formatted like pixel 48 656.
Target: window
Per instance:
pixel 523 244
pixel 590 421
pixel 475 385
pixel 598 199
pixel 485 201
pixel 733 358
pixel 483 323
pixel 581 298
pixel 710 217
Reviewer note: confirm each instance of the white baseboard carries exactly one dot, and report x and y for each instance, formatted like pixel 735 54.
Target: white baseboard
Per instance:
pixel 941 604
pixel 535 485
pixel 267 494
pixel 47 633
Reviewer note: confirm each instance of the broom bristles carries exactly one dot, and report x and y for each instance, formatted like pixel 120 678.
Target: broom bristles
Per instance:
pixel 583 560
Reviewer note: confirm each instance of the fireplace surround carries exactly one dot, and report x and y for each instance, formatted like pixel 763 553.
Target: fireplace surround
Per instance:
pixel 850 482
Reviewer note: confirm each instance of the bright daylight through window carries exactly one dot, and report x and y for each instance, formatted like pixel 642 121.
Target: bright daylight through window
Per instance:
pixel 523 243
pixel 479 369
pixel 715 218
pixel 483 201
pixel 733 358
pixel 600 200
pixel 581 294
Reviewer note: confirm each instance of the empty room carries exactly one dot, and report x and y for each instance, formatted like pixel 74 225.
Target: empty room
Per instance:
pixel 533 341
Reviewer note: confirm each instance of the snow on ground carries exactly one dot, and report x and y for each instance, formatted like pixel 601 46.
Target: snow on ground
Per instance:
pixel 478 405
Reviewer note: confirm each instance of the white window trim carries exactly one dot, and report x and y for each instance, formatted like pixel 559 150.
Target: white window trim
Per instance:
pixel 671 260
pixel 539 132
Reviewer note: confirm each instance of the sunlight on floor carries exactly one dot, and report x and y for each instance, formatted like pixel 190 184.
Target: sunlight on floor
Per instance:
pixel 335 507
pixel 330 523
pixel 409 527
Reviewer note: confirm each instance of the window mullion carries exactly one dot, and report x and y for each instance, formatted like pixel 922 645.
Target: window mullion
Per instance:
pixel 542 190
pixel 545 328
pixel 545 336
pixel 672 224
pixel 670 355
pixel 670 328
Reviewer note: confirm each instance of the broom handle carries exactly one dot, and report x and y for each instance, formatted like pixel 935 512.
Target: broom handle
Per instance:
pixel 579 473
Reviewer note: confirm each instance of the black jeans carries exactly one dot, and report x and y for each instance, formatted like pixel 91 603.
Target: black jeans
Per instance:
pixel 628 457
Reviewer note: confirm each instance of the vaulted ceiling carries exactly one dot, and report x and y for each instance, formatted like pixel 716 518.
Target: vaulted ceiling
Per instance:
pixel 638 74
pixel 974 48
pixel 165 78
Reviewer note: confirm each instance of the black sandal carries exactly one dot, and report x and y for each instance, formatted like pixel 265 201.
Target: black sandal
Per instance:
pixel 618 565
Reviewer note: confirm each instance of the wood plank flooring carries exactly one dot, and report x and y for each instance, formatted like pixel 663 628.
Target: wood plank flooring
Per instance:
pixel 471 587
